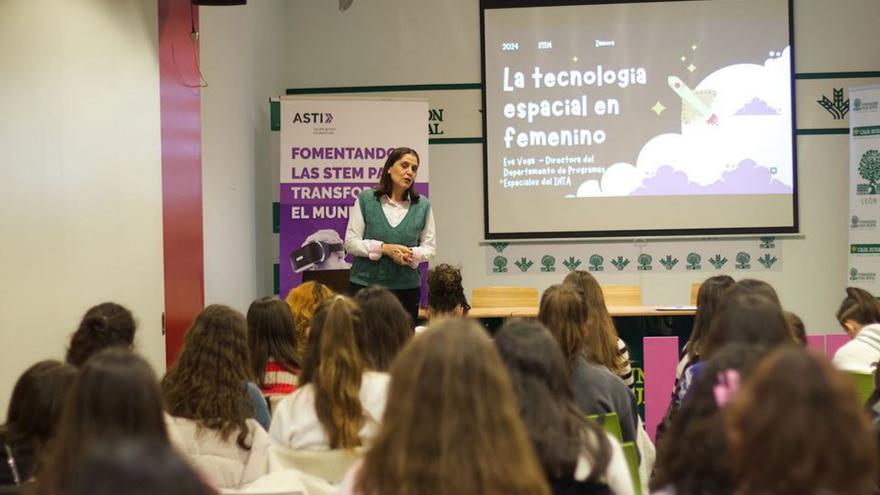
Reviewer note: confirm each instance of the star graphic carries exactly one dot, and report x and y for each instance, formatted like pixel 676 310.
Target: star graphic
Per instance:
pixel 683 58
pixel 694 47
pixel 574 59
pixel 658 108
pixel 692 67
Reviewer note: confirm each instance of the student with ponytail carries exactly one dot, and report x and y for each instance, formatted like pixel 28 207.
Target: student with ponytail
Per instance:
pixel 859 315
pixel 105 325
pixel 339 402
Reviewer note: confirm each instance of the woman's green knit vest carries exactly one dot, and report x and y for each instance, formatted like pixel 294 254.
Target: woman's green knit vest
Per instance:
pixel 385 271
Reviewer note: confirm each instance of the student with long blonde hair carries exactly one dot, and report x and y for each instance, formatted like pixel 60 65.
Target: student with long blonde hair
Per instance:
pixel 603 345
pixel 339 402
pixel 451 426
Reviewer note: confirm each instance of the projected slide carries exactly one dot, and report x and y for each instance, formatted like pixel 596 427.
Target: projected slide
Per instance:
pixel 639 118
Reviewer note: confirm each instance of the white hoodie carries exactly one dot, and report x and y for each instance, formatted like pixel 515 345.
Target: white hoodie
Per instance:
pixel 861 353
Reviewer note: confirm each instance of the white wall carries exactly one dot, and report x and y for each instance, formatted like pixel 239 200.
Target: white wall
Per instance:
pixel 80 173
pixel 388 42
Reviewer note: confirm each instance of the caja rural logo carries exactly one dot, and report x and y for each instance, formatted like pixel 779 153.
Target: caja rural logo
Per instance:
pixel 313 118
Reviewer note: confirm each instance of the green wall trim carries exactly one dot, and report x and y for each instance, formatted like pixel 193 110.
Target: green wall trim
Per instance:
pixel 837 75
pixel 463 140
pixel 383 89
pixel 276 278
pixel 818 132
pixel 276 217
pixel 274 115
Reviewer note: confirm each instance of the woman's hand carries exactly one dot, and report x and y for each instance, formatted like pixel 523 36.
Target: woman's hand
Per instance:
pixel 401 255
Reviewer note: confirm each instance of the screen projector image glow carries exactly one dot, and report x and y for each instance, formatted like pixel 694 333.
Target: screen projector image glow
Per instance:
pixel 638 119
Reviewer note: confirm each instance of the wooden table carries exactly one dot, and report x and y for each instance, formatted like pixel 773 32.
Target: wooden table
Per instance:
pixel 615 311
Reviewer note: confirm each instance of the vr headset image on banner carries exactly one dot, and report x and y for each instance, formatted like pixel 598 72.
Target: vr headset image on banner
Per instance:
pixel 311 254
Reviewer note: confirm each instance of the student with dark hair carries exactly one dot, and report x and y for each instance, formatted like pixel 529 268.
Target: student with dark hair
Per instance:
pixel 32 418
pixel 445 292
pixel 603 345
pixel 386 327
pixel 206 392
pixel 391 232
pixel 339 402
pixel 576 454
pixel 796 327
pixel 797 428
pixel 272 344
pixel 751 286
pixel 134 467
pixel 114 397
pixel 859 315
pixel 303 301
pixel 708 299
pixel 596 390
pixel 692 456
pixel 451 426
pixel 105 325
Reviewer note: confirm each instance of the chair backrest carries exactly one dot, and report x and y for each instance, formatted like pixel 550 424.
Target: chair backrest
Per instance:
pixel 504 297
pixel 622 295
pixel 610 422
pixel 328 465
pixel 695 289
pixel 864 385
pixel 632 461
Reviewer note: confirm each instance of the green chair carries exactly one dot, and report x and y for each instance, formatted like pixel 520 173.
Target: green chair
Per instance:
pixel 864 385
pixel 632 460
pixel 611 423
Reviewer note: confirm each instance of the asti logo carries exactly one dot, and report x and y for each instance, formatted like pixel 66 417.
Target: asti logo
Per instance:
pixel 313 118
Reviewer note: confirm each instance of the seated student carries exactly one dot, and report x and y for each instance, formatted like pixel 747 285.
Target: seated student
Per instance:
pixel 604 346
pixel 205 392
pixel 303 301
pixel 859 315
pixel 32 418
pixel 451 426
pixel 797 428
pixel 596 390
pixel 692 456
pixel 134 467
pixel 576 454
pixel 445 294
pixel 339 402
pixel 114 397
pixel 105 325
pixel 272 344
pixel 386 327
pixel 797 328
pixel 708 299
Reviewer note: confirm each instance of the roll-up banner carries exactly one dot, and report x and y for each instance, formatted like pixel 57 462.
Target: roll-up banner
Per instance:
pixel 864 187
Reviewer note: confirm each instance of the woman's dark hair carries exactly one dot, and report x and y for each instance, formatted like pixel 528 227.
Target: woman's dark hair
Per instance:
pixel 387 327
pixel 564 312
pixel 797 427
pixel 708 298
pixel 445 292
pixel 271 334
pixel 384 187
pixel 752 286
pixel 796 327
pixel 692 455
pixel 746 318
pixel 105 325
pixel 134 467
pixel 859 306
pixel 207 383
pixel 557 428
pixel 115 396
pixel 34 410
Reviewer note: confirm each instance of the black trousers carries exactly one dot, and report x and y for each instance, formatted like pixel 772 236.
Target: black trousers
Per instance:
pixel 409 298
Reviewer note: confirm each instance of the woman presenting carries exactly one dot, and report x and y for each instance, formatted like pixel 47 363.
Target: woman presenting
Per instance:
pixel 391 231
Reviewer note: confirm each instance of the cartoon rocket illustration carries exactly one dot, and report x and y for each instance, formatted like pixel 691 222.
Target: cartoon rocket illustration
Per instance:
pixel 694 104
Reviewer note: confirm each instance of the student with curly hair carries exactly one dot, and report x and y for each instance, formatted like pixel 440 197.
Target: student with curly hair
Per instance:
pixel 596 390
pixel 797 428
pixel 604 346
pixel 386 327
pixel 576 453
pixel 692 456
pixel 272 344
pixel 859 315
pixel 105 325
pixel 303 301
pixel 339 402
pixel 32 418
pixel 205 391
pixel 114 397
pixel 451 426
